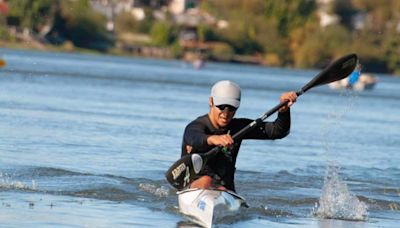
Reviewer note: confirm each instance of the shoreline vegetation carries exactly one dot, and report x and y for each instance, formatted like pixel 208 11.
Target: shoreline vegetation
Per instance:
pixel 293 34
pixel 31 43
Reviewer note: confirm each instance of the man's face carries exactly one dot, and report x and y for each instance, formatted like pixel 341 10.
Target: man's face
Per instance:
pixel 222 114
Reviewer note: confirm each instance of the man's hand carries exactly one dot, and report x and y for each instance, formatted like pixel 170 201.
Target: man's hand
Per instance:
pixel 288 96
pixel 220 140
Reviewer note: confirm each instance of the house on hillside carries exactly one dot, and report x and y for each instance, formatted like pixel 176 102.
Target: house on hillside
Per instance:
pixel 111 8
pixel 326 18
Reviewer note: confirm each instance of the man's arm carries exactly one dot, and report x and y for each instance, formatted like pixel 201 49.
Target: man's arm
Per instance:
pixel 270 130
pixel 280 128
pixel 195 138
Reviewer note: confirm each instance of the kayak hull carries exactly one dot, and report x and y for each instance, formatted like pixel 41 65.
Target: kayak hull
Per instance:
pixel 205 206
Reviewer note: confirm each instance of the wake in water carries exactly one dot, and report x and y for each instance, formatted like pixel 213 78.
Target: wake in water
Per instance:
pixel 336 201
pixel 6 182
pixel 160 191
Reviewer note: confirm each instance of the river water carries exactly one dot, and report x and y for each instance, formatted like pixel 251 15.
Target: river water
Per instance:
pixel 85 141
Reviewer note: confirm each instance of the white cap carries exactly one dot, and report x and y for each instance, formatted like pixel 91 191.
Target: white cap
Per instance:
pixel 226 93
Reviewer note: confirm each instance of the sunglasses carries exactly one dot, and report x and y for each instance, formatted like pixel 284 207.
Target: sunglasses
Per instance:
pixel 229 107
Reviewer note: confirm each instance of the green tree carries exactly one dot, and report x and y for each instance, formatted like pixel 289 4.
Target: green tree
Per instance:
pixel 289 14
pixel 31 14
pixel 345 10
pixel 392 53
pixel 161 33
pixel 205 33
pixel 259 26
pixel 77 22
pixel 243 31
pixel 126 22
pixel 312 47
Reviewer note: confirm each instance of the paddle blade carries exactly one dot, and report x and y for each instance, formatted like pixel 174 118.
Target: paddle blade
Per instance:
pixel 183 171
pixel 337 70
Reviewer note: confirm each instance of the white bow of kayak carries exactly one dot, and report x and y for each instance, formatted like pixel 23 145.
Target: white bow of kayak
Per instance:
pixel 206 206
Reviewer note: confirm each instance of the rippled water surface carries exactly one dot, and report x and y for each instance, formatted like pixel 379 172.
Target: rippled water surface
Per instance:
pixel 85 141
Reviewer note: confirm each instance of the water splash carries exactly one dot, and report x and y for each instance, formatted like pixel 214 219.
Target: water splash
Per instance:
pixel 154 189
pixel 6 182
pixel 336 201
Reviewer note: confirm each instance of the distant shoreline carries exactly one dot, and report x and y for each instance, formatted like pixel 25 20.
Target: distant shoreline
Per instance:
pixel 69 48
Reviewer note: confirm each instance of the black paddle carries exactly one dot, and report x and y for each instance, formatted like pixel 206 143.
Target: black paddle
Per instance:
pixel 182 172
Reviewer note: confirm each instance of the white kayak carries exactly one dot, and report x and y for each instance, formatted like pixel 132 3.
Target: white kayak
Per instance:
pixel 204 206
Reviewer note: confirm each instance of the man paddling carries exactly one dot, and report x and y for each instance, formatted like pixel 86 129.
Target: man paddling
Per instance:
pixel 216 128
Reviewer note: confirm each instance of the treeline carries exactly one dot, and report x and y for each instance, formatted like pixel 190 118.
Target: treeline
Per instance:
pixel 278 32
pixel 60 21
pixel 288 32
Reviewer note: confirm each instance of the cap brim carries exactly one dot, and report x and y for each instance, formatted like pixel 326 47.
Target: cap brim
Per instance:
pixel 226 101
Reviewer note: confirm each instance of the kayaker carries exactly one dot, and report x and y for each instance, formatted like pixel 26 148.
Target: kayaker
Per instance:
pixel 216 129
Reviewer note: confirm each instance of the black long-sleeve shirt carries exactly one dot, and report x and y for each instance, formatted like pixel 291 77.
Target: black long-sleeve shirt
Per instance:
pixel 222 166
